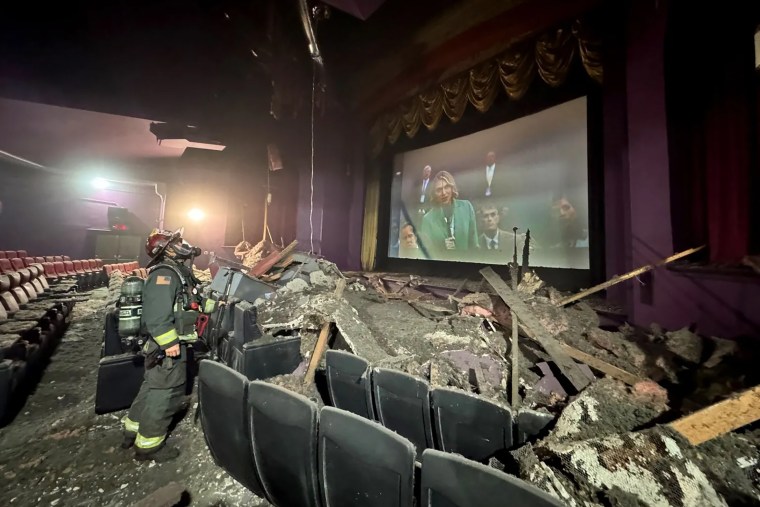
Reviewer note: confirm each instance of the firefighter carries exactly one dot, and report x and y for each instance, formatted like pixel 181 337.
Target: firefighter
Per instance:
pixel 170 310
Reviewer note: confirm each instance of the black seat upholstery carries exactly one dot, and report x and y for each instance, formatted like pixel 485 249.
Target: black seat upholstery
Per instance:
pixel 222 394
pixel 362 463
pixel 283 428
pixel 402 404
pixel 348 383
pixel 470 425
pixel 449 480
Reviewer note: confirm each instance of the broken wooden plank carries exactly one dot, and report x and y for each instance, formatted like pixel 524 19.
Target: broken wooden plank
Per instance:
pixel 602 366
pixel 631 274
pixel 284 263
pixel 514 398
pixel 316 356
pixel 720 418
pixel 270 260
pixel 536 331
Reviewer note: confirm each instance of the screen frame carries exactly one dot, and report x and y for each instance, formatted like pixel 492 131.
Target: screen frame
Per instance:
pixel 539 98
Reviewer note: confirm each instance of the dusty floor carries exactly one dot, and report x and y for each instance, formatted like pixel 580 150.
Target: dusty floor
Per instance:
pixel 57 451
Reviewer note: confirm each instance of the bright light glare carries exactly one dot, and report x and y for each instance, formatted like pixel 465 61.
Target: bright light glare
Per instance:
pixel 100 183
pixel 196 215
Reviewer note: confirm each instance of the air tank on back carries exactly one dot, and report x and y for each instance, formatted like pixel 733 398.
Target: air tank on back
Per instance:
pixel 130 307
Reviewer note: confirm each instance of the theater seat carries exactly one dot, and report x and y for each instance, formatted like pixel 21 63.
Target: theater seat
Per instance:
pixel 469 425
pixel 288 473
pixel 50 258
pixel 60 269
pixel 78 269
pixel 348 383
pixel 223 394
pixel 10 254
pixel 402 404
pixel 57 258
pixel 362 463
pixel 21 253
pixel 2 254
pixel 40 260
pixel 66 258
pixel 69 268
pixel 49 270
pixel 18 267
pixel 449 480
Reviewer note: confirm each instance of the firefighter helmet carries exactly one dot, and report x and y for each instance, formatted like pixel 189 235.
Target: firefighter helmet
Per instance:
pixel 158 241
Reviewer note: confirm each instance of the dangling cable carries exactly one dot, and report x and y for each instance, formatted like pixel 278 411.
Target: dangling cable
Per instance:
pixel 311 196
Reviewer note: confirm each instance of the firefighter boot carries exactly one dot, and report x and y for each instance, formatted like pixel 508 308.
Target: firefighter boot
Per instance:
pixel 161 454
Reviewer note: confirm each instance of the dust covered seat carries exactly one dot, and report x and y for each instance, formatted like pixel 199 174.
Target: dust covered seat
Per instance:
pixel 470 425
pixel 222 394
pixel 449 480
pixel 284 437
pixel 402 404
pixel 348 383
pixel 362 463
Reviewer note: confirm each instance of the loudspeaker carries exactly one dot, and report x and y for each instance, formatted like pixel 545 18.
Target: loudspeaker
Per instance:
pixel 242 286
pixel 119 380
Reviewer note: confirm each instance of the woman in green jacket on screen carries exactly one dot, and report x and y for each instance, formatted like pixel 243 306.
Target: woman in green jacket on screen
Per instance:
pixel 449 230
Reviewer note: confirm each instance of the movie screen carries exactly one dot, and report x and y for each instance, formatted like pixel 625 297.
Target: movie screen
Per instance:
pixel 462 200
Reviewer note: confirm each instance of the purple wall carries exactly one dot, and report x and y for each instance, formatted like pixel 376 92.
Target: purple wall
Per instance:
pixel 637 172
pixel 338 203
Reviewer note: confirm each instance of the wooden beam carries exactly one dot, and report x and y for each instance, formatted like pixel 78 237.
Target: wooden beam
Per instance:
pixel 321 345
pixel 720 418
pixel 270 260
pixel 620 278
pixel 536 331
pixel 602 366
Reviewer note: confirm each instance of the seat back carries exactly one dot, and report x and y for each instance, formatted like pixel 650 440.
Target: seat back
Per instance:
pixel 58 258
pixel 69 267
pixel 21 253
pixel 288 472
pixel 66 258
pixel 2 254
pixel 9 303
pixel 28 261
pixel 6 266
pixel 222 394
pixel 362 463
pixel 10 254
pixel 469 425
pixel 60 269
pixel 40 260
pixel 449 480
pixel 348 383
pixel 17 263
pixel 5 283
pixel 402 404
pixel 49 270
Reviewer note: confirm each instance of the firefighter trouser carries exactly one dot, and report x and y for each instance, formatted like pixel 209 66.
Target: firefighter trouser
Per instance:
pixel 160 397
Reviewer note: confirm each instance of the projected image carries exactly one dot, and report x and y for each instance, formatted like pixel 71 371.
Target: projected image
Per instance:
pixel 462 200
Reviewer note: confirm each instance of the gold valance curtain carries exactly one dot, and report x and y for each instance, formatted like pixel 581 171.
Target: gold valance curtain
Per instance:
pixel 550 56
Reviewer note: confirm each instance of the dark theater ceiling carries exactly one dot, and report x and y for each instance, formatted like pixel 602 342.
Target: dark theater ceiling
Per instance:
pixel 215 63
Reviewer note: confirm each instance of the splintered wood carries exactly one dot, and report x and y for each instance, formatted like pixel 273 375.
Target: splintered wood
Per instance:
pixel 603 366
pixel 620 278
pixel 324 334
pixel 536 331
pixel 720 418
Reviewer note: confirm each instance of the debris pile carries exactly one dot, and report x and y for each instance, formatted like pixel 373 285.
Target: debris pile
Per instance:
pixel 608 441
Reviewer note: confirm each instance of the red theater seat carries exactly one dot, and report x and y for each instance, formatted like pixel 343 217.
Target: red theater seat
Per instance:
pixel 78 268
pixel 60 270
pixel 40 260
pixel 100 263
pixel 86 265
pixel 49 270
pixel 2 254
pixel 21 253
pixel 49 258
pixel 69 268
pixel 66 258
pixel 10 254
pixel 109 269
pixel 57 258
pixel 18 266
pixel 28 261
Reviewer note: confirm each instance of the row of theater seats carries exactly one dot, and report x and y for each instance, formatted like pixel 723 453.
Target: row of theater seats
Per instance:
pixel 449 420
pixel 283 448
pixel 33 315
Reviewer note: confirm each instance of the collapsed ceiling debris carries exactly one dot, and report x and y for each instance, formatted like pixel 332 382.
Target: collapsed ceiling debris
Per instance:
pixel 606 437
